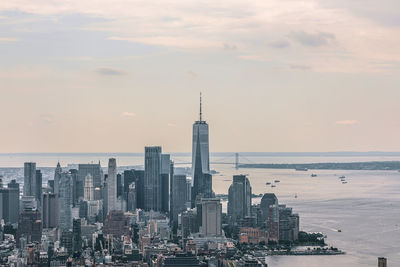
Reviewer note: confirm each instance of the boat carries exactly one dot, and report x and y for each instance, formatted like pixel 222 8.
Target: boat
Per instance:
pixel 344 182
pixel 339 230
pixel 313 175
pixel 342 177
pixel 276 181
pixel 273 185
pixel 267 183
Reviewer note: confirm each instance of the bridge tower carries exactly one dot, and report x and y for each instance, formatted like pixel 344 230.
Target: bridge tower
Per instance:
pixel 236 161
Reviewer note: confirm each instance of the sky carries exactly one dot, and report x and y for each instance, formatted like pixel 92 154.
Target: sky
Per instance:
pixel 276 75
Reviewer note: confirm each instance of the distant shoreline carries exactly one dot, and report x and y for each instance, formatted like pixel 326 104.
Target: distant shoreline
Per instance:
pixel 368 165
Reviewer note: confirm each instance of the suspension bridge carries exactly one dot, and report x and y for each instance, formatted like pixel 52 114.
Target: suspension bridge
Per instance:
pixel 230 159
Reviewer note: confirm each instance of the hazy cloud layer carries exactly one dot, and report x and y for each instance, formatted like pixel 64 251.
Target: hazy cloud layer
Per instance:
pixel 347 122
pixel 313 39
pixel 331 28
pixel 110 71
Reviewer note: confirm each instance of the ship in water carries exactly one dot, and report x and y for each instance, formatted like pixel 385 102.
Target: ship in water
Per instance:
pixel 313 175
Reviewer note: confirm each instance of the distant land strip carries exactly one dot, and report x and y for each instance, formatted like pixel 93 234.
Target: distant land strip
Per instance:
pixel 369 165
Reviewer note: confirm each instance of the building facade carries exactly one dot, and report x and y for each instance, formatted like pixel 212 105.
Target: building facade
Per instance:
pixel 152 179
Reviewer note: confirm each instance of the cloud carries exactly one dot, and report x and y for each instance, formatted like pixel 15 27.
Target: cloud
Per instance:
pixel 312 39
pixel 8 39
pixel 347 122
pixel 47 118
pixel 128 114
pixel 300 67
pixel 109 71
pixel 279 44
pixel 229 47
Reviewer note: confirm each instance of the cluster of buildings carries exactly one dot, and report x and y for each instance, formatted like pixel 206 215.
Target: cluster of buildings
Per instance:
pixel 150 217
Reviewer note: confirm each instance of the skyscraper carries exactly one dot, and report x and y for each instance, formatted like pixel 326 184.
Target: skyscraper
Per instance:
pixel 29 179
pixel 179 196
pixel 211 209
pixel 239 198
pixel 65 201
pixel 38 187
pixel 112 185
pixel 202 180
pixel 57 176
pixel 50 210
pixel 165 180
pixel 89 189
pixel 9 204
pixel 76 235
pixel 152 178
pixel 97 174
pixel 268 199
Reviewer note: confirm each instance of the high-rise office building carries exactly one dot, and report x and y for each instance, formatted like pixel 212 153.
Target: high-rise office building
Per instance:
pixel 288 224
pixel 65 201
pixel 239 198
pixel 202 179
pixel 30 179
pixel 267 200
pixel 29 226
pixel 165 180
pixel 112 185
pixel 75 185
pixel 57 177
pixel 179 196
pixel 89 188
pixel 76 235
pixel 9 204
pixel 131 202
pixel 382 262
pixel 120 188
pixel 98 178
pixel 211 209
pixel 152 179
pixel 38 187
pixel 50 210
pixel 14 200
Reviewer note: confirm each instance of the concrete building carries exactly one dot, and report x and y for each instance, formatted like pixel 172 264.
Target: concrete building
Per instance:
pixel 50 210
pixel 29 226
pixel 239 198
pixel 30 179
pixel 152 179
pixel 116 224
pixel 88 194
pixel 211 209
pixel 267 200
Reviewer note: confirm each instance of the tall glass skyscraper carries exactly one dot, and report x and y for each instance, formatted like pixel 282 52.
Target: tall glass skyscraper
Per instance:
pixel 202 180
pixel 112 185
pixel 65 201
pixel 29 179
pixel 152 178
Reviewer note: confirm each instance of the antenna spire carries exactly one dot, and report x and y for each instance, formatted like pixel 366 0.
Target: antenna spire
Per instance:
pixel 200 108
